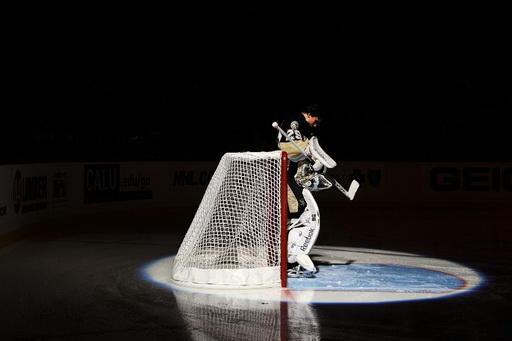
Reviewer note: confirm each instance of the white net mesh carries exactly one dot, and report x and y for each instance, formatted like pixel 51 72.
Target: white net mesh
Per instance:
pixel 234 238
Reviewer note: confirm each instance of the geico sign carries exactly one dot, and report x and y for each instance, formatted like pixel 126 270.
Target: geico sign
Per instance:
pixel 470 179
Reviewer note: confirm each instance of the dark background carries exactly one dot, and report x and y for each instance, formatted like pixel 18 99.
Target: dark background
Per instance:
pixel 148 81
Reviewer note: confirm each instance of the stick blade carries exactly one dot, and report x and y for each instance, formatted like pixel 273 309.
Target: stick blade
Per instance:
pixel 354 185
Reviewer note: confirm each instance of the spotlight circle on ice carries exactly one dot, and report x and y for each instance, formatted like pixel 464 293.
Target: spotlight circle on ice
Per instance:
pixel 349 275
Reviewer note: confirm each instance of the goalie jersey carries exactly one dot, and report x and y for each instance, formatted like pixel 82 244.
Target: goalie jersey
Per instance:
pixel 299 131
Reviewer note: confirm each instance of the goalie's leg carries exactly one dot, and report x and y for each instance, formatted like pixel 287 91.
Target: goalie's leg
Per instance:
pixel 321 158
pixel 303 233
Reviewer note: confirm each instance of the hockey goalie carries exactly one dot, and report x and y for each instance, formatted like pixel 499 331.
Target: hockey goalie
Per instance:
pixel 307 164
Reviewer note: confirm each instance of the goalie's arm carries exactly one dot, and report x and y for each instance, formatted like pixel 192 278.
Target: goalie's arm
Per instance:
pixel 353 186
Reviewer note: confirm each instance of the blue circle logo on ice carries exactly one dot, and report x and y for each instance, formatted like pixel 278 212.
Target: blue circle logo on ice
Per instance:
pixel 378 278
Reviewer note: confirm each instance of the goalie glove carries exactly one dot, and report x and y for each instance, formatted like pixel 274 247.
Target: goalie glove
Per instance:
pixel 308 178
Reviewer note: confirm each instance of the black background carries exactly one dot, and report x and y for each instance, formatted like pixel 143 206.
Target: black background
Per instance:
pixel 120 81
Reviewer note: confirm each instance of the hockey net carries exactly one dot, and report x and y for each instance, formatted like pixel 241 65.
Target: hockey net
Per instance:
pixel 237 238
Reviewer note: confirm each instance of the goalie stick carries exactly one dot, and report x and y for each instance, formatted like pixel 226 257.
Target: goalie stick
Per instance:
pixel 354 185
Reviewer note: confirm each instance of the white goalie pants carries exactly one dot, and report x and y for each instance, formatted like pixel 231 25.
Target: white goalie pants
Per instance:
pixel 303 232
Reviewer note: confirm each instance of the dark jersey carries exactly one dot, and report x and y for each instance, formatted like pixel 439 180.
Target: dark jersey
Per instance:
pixel 296 128
pixel 299 131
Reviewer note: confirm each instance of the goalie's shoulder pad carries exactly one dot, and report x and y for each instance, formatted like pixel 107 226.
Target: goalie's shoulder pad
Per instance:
pixel 319 154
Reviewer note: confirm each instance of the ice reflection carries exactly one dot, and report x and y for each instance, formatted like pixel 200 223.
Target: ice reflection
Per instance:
pixel 224 317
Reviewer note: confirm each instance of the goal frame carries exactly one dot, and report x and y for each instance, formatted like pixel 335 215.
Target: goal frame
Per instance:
pixel 200 261
pixel 284 219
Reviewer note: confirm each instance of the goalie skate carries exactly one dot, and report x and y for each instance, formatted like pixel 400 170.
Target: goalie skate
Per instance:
pixel 298 272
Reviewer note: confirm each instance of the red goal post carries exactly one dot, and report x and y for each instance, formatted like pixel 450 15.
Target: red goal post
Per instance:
pixel 238 237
